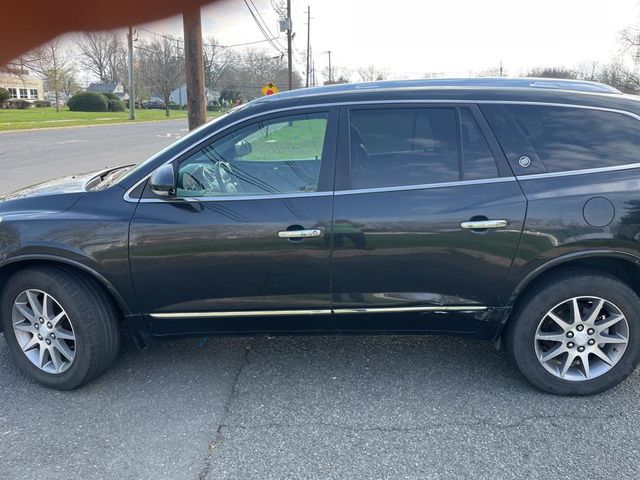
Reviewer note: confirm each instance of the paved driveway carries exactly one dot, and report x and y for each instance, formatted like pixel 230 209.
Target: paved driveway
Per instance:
pixel 297 407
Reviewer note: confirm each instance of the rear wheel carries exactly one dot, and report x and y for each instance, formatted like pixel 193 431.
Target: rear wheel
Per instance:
pixel 60 326
pixel 577 334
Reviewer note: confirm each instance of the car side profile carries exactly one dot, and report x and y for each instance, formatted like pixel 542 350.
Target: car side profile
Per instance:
pixel 505 210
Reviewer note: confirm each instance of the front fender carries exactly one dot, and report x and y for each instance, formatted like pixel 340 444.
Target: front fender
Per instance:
pixel 14 263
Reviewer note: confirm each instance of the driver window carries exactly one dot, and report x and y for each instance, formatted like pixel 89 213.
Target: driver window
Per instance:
pixel 275 156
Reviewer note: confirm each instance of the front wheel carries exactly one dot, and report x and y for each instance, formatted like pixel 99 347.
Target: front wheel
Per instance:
pixel 60 326
pixel 576 334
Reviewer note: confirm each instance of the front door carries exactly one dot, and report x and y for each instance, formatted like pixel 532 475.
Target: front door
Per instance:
pixel 247 233
pixel 427 219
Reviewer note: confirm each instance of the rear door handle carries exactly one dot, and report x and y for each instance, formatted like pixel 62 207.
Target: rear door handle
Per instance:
pixel 312 232
pixel 483 224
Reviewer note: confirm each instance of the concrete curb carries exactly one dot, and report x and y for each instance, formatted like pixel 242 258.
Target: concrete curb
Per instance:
pixel 135 122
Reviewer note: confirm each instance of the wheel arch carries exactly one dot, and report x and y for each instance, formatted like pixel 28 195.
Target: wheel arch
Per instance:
pixel 13 265
pixel 622 265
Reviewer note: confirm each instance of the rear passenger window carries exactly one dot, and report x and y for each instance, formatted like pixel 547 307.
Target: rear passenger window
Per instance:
pixel 404 146
pixel 479 161
pixel 565 138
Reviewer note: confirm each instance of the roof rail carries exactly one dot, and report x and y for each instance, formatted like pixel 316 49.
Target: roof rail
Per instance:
pixel 500 82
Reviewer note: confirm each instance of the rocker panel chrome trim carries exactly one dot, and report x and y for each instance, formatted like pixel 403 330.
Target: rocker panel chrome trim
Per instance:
pixel 338 311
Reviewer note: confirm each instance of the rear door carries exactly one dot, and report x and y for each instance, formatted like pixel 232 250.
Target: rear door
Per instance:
pixel 427 218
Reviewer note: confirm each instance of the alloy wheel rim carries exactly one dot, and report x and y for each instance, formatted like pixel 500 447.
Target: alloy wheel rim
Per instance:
pixel 581 338
pixel 44 331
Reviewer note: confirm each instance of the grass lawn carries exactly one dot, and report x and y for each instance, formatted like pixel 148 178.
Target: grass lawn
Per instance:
pixel 299 140
pixel 47 117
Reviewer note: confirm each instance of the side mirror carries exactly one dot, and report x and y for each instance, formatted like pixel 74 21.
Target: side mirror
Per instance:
pixel 163 181
pixel 243 148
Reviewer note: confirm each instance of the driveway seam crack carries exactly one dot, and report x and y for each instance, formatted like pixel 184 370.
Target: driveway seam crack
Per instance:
pixel 217 439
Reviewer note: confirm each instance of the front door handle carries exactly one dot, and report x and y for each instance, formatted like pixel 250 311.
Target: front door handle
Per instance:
pixel 305 233
pixel 483 224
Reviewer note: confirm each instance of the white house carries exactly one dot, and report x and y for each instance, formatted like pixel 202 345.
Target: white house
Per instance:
pixel 179 96
pixel 115 88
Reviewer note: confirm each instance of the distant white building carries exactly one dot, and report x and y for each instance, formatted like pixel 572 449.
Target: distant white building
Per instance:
pixel 179 96
pixel 115 88
pixel 21 85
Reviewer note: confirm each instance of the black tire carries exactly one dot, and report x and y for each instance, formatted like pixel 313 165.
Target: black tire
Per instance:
pixel 91 312
pixel 521 330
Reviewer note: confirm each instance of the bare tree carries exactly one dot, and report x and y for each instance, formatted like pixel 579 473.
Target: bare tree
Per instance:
pixel 251 70
pixel 162 68
pixel 52 63
pixel 339 74
pixel 217 60
pixel 70 84
pixel 140 87
pixel 630 43
pixel 552 72
pixel 492 72
pixel 371 73
pixel 103 54
pixel 615 73
pixel 588 71
pixel 618 75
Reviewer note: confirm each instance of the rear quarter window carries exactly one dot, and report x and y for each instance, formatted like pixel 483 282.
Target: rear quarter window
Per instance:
pixel 564 138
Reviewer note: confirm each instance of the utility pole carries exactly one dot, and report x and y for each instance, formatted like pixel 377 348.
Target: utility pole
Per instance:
pixel 132 95
pixel 289 52
pixel 308 44
pixel 178 54
pixel 330 72
pixel 194 67
pixel 313 74
pixel 501 68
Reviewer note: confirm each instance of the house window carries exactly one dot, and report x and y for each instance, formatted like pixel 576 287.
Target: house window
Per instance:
pixel 23 93
pixel 33 93
pixel 13 92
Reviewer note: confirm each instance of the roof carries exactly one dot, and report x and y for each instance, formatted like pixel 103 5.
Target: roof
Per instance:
pixel 435 83
pixel 102 87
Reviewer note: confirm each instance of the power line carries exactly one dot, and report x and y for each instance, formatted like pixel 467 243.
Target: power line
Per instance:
pixel 219 45
pixel 278 8
pixel 261 28
pixel 263 22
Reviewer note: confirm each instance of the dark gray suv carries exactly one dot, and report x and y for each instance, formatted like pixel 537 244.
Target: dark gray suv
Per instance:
pixel 502 209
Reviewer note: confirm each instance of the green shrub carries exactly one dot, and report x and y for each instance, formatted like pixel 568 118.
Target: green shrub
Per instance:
pixel 18 103
pixel 4 96
pixel 174 106
pixel 42 103
pixel 111 96
pixel 88 102
pixel 116 105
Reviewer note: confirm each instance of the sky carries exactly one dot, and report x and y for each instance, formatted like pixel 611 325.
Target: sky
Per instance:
pixel 411 38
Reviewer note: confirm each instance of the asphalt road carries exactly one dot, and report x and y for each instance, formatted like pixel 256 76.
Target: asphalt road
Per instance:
pixel 301 407
pixel 29 157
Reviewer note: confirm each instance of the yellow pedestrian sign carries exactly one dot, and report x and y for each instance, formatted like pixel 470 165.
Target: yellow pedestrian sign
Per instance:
pixel 270 89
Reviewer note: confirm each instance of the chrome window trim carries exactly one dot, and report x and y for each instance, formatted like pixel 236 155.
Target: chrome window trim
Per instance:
pixel 127 197
pixel 235 197
pixel 628 166
pixel 425 186
pixel 323 311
